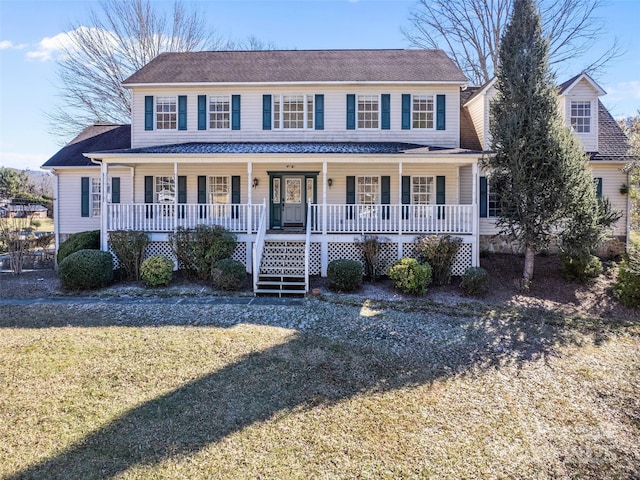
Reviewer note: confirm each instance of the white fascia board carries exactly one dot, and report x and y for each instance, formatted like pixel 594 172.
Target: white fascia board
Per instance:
pixel 599 90
pixel 272 84
pixel 159 159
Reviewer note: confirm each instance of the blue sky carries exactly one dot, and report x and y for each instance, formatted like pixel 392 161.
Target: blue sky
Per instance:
pixel 28 30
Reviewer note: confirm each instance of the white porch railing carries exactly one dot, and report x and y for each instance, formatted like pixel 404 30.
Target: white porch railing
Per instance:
pixel 452 219
pixel 167 217
pixel 258 245
pixel 307 249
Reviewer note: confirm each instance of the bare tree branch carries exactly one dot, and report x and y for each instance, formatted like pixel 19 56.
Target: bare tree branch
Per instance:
pixel 470 32
pixel 116 41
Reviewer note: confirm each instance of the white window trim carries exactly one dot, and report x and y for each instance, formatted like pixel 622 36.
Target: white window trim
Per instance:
pixel 95 198
pixel 433 111
pixel 590 117
pixel 229 113
pixel 306 98
pixel 379 127
pixel 155 106
pixel 368 210
pixel 489 209
pixel 156 192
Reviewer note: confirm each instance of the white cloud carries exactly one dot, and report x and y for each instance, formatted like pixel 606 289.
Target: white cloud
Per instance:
pixel 20 160
pixel 51 47
pixel 9 45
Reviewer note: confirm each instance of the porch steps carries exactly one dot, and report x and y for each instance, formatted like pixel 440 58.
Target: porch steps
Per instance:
pixel 282 269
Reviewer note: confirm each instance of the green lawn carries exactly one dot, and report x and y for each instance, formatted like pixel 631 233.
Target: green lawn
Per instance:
pixel 498 395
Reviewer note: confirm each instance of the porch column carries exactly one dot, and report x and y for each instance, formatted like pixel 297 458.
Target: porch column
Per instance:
pixel 399 220
pixel 175 197
pixel 324 246
pixel 104 189
pixel 475 246
pixel 249 199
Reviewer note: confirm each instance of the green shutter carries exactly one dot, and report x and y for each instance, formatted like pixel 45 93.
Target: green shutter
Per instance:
pixel 148 112
pixel 483 197
pixel 385 194
pixel 235 112
pixel 440 195
pixel 385 109
pixel 115 190
pixel 351 111
pixel 148 189
pixel 182 189
pixel 84 196
pixel 148 195
pixel 182 112
pixel 441 110
pixel 319 113
pixel 598 182
pixel 182 195
pixel 406 195
pixel 202 195
pixel 235 196
pixel 351 195
pixel 266 112
pixel 406 111
pixel 202 112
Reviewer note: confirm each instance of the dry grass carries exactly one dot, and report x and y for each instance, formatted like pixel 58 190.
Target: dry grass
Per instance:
pixel 499 394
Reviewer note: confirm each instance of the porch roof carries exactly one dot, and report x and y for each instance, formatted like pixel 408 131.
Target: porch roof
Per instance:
pixel 349 148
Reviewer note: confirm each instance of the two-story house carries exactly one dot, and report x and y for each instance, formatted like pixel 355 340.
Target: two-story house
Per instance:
pixel 301 153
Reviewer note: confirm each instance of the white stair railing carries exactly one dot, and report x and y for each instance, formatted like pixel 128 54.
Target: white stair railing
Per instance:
pixel 258 245
pixel 307 248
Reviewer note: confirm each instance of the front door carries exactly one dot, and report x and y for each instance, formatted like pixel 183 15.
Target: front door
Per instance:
pixel 293 201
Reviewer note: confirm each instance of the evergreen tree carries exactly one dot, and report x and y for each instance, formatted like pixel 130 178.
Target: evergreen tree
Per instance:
pixel 539 168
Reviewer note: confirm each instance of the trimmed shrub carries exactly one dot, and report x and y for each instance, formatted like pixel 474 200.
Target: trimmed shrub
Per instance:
pixel 439 253
pixel 229 274
pixel 627 286
pixel 475 280
pixel 79 241
pixel 157 271
pixel 86 269
pixel 410 276
pixel 580 269
pixel 200 248
pixel 129 247
pixel 344 275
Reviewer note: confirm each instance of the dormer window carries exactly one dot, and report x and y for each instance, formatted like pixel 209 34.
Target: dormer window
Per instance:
pixel 581 116
pixel 166 113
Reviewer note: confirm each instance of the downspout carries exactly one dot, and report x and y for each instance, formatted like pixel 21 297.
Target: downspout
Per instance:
pixel 56 213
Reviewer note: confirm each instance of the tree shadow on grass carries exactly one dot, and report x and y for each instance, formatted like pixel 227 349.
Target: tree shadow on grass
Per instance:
pixel 305 372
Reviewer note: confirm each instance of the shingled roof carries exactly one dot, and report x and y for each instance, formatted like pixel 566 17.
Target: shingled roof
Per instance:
pixel 276 66
pixel 94 138
pixel 613 144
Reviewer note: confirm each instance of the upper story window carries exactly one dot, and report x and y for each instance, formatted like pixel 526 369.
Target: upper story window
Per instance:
pixel 423 107
pixel 293 111
pixel 166 113
pixel 219 111
pixel 581 116
pixel 368 111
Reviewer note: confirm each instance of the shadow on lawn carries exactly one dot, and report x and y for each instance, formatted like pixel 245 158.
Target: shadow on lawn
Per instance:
pixel 304 372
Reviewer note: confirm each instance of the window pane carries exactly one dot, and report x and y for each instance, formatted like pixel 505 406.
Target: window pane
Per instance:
pixel 219 107
pixel 422 111
pixel 165 190
pixel 581 116
pixel 166 117
pixel 368 110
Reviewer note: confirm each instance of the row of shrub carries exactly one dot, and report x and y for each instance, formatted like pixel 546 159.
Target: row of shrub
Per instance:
pixel 203 253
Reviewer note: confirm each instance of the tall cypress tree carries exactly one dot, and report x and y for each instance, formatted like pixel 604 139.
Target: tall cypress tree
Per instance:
pixel 539 169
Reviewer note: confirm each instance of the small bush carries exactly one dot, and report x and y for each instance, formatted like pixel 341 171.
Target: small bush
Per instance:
pixel 344 275
pixel 229 274
pixel 129 247
pixel 475 280
pixel 439 253
pixel 627 286
pixel 410 276
pixel 580 269
pixel 79 241
pixel 200 248
pixel 157 271
pixel 86 269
